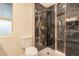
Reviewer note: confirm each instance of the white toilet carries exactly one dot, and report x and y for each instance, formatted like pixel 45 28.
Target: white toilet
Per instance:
pixel 31 51
pixel 27 45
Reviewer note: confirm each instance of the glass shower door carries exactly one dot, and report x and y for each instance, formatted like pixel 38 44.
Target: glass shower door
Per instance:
pixel 61 27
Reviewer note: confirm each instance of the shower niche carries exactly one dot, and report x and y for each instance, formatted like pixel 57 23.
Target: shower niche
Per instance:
pixel 64 17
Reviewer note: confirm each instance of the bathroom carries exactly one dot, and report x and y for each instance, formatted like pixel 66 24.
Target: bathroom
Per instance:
pixel 45 29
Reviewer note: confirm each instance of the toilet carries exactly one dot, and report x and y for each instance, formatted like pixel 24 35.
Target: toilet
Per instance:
pixel 31 51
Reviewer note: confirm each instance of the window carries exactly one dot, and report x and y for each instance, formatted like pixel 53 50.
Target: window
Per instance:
pixel 5 19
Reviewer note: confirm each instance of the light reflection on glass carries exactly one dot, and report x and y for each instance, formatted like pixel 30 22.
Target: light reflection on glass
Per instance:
pixel 5 27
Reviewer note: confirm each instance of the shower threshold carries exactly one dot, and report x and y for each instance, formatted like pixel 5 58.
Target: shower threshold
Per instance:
pixel 50 52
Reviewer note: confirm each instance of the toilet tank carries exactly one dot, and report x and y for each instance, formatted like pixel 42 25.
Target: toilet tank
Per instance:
pixel 26 41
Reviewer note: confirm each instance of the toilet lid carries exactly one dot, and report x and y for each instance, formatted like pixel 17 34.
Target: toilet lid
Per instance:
pixel 31 51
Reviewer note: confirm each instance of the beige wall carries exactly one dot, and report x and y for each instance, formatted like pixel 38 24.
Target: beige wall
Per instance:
pixel 23 16
pixel 11 46
pixel 24 21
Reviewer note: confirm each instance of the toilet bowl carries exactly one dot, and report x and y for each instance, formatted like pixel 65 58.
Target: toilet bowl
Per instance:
pixel 31 51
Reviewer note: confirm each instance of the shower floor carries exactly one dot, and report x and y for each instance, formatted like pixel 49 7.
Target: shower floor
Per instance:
pixel 50 52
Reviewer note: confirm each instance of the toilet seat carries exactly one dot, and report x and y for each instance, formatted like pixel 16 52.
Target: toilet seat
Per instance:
pixel 31 51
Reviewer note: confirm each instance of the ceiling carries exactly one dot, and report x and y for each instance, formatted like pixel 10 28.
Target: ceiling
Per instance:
pixel 47 4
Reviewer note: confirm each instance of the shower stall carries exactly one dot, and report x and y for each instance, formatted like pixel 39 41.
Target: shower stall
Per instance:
pixel 57 27
pixel 44 27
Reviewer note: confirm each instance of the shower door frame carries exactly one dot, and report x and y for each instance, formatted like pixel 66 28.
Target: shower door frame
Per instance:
pixel 56 31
